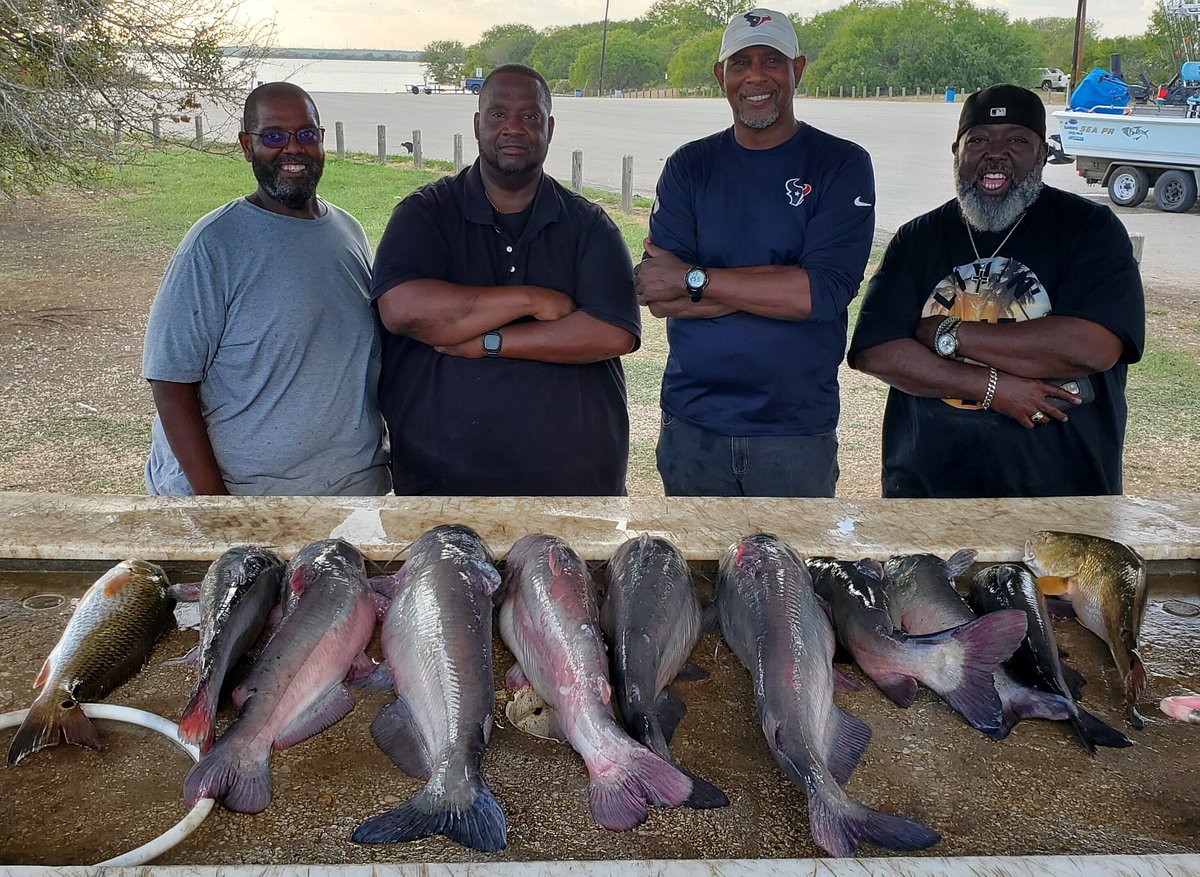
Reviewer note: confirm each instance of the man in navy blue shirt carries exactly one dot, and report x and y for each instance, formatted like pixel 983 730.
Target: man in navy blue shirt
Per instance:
pixel 758 241
pixel 508 300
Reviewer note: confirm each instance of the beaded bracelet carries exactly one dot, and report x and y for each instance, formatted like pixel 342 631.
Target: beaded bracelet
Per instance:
pixel 991 390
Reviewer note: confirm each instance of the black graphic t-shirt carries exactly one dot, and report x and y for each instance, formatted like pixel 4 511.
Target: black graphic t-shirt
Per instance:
pixel 1068 257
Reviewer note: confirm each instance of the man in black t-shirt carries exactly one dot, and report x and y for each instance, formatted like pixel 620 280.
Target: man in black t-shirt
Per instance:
pixel 508 300
pixel 1004 321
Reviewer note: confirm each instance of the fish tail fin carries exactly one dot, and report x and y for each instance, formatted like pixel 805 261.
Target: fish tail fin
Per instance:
pixel 52 718
pixel 985 643
pixel 480 826
pixel 647 730
pixel 196 725
pixel 1094 732
pixel 238 780
pixel 619 796
pixel 839 824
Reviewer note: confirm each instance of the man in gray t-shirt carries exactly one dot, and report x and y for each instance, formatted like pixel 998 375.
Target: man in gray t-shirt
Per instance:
pixel 262 350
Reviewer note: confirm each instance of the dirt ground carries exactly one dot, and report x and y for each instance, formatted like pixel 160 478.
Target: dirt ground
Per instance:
pixel 74 298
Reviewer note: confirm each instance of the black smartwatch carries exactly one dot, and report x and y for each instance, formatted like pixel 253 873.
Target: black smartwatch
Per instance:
pixel 491 344
pixel 695 280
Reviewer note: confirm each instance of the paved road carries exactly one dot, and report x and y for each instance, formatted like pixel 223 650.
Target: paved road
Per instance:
pixel 909 143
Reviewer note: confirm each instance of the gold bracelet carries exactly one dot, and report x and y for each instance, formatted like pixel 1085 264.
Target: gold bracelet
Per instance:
pixel 991 390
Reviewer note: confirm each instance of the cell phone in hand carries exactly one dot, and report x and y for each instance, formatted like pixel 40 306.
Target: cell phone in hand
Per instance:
pixel 1081 387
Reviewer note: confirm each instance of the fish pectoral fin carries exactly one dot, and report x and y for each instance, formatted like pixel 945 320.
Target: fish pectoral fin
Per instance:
pixel 1052 586
pixel 191 659
pixel 185 592
pixel 900 690
pixel 328 709
pixel 397 733
pixel 515 678
pixel 843 684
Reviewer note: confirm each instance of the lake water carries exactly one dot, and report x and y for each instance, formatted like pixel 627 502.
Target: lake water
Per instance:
pixel 384 77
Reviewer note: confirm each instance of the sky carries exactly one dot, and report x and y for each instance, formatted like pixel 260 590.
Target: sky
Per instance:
pixel 388 24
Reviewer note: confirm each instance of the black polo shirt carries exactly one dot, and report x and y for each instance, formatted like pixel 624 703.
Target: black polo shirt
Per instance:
pixel 497 426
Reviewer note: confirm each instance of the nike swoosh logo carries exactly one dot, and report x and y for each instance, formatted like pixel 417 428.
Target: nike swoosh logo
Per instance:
pixel 859 202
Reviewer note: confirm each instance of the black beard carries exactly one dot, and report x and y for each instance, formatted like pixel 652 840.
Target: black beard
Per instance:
pixel 509 171
pixel 293 194
pixel 987 214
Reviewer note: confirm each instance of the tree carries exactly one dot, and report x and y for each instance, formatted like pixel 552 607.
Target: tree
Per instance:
pixel 444 60
pixel 816 33
pixel 502 44
pixel 628 63
pixel 692 65
pixel 695 15
pixel 558 47
pixel 70 70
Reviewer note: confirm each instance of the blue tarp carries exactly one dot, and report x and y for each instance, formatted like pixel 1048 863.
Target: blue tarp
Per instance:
pixel 1100 92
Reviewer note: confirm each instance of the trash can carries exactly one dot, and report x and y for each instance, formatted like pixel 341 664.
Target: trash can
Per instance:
pixel 578 93
pixel 617 93
pixel 949 95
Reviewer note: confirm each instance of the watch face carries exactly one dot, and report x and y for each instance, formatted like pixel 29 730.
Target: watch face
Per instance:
pixel 947 344
pixel 694 278
pixel 491 342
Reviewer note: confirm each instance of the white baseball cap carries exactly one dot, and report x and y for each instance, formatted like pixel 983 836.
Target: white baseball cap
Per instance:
pixel 760 27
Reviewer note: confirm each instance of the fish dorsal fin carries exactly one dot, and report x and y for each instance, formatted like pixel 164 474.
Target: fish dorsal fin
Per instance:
pixel 960 561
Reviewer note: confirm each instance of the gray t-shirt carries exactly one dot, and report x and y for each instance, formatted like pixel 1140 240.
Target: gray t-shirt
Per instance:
pixel 271 316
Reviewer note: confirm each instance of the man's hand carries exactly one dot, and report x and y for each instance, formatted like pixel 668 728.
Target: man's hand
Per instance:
pixel 1024 400
pixel 660 277
pixel 549 304
pixel 472 348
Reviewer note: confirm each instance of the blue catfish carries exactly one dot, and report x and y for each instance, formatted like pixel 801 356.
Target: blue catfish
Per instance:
pixel 924 600
pixel 239 591
pixel 295 689
pixel 437 642
pixel 771 619
pixel 957 663
pixel 1036 661
pixel 652 620
pixel 549 620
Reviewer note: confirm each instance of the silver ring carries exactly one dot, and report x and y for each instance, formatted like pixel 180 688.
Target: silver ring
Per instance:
pixel 1037 417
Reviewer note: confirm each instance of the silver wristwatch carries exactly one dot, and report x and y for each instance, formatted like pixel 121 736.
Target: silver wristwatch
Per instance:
pixel 945 340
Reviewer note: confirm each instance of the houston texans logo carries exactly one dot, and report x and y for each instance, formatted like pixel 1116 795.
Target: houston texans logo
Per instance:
pixel 755 20
pixel 797 192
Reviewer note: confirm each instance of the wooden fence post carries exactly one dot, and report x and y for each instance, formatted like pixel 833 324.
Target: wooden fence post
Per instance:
pixel 841 91
pixel 577 171
pixel 156 127
pixel 339 133
pixel 381 142
pixel 458 158
pixel 418 160
pixel 199 132
pixel 627 184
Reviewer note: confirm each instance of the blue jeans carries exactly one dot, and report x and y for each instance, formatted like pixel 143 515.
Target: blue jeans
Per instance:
pixel 695 462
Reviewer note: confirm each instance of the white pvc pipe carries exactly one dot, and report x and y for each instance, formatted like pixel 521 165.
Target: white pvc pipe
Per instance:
pixel 159 845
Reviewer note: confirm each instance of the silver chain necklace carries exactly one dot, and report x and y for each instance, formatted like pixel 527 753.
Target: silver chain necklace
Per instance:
pixel 971 237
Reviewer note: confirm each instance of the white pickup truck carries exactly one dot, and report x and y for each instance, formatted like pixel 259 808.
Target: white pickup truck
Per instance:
pixel 1051 79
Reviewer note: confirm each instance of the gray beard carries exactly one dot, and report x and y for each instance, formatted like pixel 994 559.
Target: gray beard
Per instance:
pixel 760 122
pixel 988 214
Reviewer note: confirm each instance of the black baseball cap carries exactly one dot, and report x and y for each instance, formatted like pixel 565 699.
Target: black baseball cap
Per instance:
pixel 1003 105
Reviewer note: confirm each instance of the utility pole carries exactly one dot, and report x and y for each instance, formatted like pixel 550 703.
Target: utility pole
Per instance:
pixel 604 47
pixel 1077 52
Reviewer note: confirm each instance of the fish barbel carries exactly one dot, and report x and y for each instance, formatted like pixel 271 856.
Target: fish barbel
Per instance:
pixel 771 619
pixel 239 591
pixel 652 619
pixel 549 620
pixel 1106 584
pixel 107 639
pixel 437 643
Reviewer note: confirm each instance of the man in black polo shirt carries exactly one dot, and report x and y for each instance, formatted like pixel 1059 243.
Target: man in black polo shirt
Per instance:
pixel 508 300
